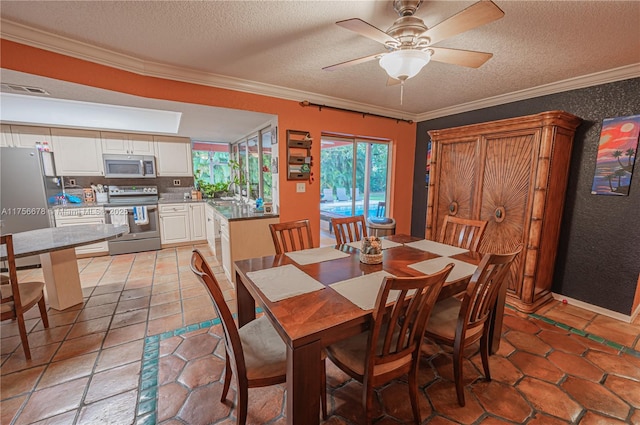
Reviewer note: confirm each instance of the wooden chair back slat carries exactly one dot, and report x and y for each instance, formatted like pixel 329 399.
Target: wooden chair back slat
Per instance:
pixel 349 229
pixel 462 232
pixel 203 271
pixel 291 236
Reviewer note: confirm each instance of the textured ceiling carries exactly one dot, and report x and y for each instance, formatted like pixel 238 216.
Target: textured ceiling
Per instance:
pixel 285 44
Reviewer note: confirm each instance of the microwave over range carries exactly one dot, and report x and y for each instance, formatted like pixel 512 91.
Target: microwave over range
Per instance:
pixel 129 166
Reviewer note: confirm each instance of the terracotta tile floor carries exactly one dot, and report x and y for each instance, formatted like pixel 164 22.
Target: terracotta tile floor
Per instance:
pixel 145 348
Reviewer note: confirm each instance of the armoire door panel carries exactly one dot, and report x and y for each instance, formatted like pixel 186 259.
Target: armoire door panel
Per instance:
pixel 507 178
pixel 458 176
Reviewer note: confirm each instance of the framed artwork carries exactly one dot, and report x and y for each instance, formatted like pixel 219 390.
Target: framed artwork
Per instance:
pixel 617 150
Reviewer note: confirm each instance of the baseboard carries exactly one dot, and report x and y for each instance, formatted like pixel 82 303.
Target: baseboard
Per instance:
pixel 635 314
pixel 594 308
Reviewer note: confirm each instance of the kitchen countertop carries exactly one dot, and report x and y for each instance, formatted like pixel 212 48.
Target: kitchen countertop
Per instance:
pixel 80 205
pixel 233 211
pixel 179 201
pixel 49 239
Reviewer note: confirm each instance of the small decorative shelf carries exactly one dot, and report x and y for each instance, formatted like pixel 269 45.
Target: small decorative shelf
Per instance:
pixel 299 155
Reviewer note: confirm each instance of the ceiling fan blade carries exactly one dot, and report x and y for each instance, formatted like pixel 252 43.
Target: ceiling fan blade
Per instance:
pixel 365 29
pixel 460 57
pixel 353 62
pixel 477 14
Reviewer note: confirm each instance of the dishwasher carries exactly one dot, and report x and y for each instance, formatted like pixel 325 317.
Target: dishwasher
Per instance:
pixel 144 232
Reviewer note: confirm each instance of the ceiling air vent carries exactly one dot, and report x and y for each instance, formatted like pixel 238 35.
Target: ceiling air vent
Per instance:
pixel 16 88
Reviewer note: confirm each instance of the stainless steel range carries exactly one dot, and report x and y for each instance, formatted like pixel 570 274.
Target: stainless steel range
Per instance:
pixel 137 207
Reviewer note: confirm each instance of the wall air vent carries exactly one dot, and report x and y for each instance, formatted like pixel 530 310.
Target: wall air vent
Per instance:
pixel 16 88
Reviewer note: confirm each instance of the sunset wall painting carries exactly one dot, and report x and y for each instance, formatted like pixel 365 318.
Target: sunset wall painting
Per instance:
pixel 617 150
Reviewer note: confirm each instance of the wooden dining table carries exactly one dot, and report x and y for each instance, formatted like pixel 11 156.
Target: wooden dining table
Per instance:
pixel 309 322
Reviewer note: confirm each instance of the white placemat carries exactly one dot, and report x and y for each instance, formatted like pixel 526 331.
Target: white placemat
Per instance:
pixel 363 290
pixel 436 247
pixel 460 268
pixel 282 282
pixel 315 255
pixel 386 244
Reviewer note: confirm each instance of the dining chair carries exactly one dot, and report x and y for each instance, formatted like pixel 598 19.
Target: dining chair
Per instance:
pixel 391 346
pixel 349 229
pixel 460 323
pixel 17 298
pixel 462 232
pixel 291 236
pixel 255 353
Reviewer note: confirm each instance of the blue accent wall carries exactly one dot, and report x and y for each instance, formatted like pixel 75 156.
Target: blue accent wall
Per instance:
pixel 598 258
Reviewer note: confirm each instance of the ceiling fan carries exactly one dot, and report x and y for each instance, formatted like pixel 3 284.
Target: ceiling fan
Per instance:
pixel 410 42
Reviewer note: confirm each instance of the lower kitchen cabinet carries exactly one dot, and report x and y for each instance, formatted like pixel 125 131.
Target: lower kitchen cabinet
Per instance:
pixel 197 220
pixel 242 239
pixel 78 215
pixel 212 227
pixel 182 223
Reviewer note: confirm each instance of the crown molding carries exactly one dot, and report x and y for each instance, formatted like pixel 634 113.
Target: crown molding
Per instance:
pixel 65 46
pixel 609 76
pixel 23 34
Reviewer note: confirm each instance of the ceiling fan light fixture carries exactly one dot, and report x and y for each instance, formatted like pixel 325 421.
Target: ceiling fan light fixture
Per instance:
pixel 404 64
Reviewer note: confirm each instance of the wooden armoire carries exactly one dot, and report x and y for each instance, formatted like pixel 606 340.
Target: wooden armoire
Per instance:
pixel 512 173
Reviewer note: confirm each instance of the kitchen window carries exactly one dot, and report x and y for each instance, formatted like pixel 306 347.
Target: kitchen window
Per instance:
pixel 211 162
pixel 253 172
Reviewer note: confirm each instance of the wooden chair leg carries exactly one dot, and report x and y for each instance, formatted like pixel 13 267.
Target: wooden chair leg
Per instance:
pixel 43 312
pixel 484 353
pixel 23 336
pixel 242 404
pixel 457 373
pixel 323 388
pixel 367 399
pixel 413 394
pixel 227 379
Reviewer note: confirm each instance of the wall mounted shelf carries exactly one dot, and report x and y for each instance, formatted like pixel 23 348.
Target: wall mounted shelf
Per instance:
pixel 299 155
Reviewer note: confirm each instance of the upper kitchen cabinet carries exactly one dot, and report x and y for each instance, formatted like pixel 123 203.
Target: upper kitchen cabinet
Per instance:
pixel 21 136
pixel 173 156
pixel 127 144
pixel 77 152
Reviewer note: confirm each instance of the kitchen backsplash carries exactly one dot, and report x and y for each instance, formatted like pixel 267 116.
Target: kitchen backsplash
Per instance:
pixel 165 184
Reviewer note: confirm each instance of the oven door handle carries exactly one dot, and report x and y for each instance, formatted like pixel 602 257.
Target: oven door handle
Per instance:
pixel 129 209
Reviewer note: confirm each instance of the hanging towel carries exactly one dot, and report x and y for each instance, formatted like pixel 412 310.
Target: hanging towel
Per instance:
pixel 140 215
pixel 118 216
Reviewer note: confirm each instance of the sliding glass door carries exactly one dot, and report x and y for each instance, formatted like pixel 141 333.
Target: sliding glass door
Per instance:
pixel 354 176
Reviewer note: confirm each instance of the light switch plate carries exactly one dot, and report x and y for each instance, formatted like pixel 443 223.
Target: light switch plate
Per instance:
pixel 300 187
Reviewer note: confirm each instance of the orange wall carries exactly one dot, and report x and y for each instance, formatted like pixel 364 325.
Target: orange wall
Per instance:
pixel 290 114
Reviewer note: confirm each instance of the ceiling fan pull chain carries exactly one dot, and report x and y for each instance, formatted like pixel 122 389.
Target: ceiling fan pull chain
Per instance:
pixel 401 91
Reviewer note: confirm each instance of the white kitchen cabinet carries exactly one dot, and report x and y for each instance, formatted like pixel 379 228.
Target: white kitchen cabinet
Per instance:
pixel 77 152
pixel 23 136
pixel 225 247
pixel 173 156
pixel 212 227
pixel 242 239
pixel 127 144
pixel 80 215
pixel 197 220
pixel 174 223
